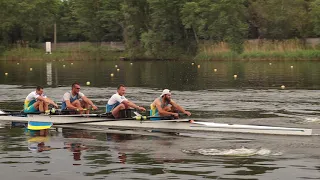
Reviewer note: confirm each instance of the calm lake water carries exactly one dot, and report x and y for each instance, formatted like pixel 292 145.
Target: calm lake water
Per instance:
pixel 209 90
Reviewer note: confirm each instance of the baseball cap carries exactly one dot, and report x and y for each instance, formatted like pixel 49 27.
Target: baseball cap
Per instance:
pixel 165 91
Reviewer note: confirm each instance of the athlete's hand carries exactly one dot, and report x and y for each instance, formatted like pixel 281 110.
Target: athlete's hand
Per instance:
pixel 176 115
pixel 188 113
pixel 94 107
pixel 141 108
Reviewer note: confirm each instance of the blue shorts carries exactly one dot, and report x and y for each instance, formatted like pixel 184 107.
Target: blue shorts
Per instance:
pixel 154 112
pixel 109 108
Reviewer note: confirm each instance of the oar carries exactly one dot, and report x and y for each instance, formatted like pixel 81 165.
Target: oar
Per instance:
pixel 14 113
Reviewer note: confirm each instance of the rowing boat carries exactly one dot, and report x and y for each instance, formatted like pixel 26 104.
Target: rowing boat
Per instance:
pixel 164 125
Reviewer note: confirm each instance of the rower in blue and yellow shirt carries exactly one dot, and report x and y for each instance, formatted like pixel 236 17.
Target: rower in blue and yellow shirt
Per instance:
pixel 76 100
pixel 36 101
pixel 165 106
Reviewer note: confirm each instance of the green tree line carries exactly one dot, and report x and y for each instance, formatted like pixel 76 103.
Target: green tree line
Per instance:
pixel 157 28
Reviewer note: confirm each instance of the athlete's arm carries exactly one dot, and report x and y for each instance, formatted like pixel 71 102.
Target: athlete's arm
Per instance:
pixel 70 106
pixel 133 105
pixel 174 104
pixel 87 100
pixel 47 100
pixel 162 112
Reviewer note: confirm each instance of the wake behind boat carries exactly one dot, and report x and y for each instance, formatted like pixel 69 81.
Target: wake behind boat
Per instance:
pixel 144 122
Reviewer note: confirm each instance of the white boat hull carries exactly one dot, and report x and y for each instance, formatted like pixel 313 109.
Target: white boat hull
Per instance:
pixel 162 125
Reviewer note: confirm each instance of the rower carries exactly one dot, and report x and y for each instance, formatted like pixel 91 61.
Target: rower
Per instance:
pixel 36 101
pixel 118 102
pixel 76 100
pixel 165 106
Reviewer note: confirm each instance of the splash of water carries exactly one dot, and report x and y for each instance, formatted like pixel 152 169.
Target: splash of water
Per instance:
pixel 246 152
pixel 312 120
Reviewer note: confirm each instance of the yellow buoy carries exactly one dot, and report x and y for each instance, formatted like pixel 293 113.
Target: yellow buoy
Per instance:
pixel 235 76
pixel 111 74
pixel 131 63
pixel 88 83
pixel 71 63
pixel 30 69
pixel 6 74
pixel 283 87
pixel 118 70
pixel 291 67
pixel 192 64
pixel 270 64
pixel 18 63
pixel 215 70
pixel 199 66
pixel 116 66
pixel 64 66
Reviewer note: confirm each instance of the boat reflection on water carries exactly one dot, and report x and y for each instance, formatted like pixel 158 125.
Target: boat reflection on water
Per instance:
pixel 76 149
pixel 77 133
pixel 37 140
pixel 119 149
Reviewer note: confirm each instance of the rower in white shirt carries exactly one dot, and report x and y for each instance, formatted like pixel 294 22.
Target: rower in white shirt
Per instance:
pixel 36 101
pixel 118 102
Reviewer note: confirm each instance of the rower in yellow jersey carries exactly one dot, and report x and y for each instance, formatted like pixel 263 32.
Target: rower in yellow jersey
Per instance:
pixel 36 101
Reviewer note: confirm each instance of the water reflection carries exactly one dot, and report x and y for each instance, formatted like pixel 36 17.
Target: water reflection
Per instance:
pixel 122 155
pixel 178 75
pixel 76 149
pixel 37 140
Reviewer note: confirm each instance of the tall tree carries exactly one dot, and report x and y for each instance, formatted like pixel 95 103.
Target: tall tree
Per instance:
pixel 280 19
pixel 166 36
pixel 217 20
pixel 315 11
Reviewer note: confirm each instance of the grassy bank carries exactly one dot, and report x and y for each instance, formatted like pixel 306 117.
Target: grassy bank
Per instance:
pixel 83 52
pixel 261 50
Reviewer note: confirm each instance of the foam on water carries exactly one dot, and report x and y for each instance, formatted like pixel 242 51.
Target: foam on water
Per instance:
pixel 312 120
pixel 234 152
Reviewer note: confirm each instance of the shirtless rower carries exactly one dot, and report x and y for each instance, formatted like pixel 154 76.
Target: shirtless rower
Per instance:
pixel 165 106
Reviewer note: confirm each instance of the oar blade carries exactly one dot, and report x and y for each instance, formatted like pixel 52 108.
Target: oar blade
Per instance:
pixel 32 125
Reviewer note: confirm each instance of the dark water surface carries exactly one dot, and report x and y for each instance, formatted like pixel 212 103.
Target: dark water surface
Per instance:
pixel 253 97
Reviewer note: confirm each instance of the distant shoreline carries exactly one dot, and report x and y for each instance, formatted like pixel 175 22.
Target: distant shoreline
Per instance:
pixel 292 49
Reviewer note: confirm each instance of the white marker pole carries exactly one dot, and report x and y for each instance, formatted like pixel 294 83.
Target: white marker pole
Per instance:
pixel 48 47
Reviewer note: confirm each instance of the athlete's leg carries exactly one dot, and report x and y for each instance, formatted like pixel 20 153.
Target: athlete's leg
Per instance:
pixel 116 110
pixel 77 104
pixel 85 106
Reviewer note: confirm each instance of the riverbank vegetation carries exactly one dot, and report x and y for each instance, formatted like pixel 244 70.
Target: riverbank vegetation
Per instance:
pixel 158 29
